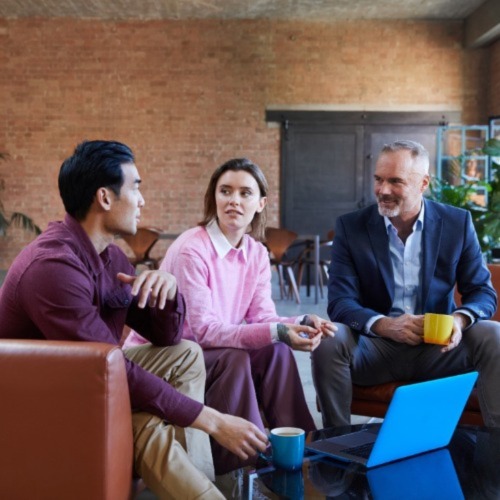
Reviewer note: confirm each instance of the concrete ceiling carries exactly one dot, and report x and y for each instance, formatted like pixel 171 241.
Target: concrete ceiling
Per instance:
pixel 241 9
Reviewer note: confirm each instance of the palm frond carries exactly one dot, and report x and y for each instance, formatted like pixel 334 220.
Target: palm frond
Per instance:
pixel 20 220
pixel 17 218
pixel 4 224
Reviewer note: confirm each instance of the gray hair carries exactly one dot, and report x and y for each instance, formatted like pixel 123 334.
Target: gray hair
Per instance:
pixel 417 151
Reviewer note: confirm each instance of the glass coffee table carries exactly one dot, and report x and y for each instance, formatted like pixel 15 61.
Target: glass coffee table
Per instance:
pixel 468 468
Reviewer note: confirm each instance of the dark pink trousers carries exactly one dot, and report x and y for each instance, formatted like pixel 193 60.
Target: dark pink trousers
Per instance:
pixel 245 382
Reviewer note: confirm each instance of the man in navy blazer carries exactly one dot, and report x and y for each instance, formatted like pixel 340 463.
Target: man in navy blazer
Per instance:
pixel 391 263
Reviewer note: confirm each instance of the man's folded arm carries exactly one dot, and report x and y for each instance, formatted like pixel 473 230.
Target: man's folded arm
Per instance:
pixel 64 309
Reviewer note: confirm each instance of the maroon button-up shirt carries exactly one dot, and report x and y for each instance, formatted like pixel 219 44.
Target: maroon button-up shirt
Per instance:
pixel 60 288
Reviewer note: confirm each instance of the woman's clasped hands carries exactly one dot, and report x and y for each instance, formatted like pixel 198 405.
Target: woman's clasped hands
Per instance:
pixel 307 335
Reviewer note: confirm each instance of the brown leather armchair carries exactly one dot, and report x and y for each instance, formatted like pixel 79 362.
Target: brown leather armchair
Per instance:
pixel 65 422
pixel 374 400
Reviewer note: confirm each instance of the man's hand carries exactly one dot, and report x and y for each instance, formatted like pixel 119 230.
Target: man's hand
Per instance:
pixel 407 329
pixel 236 434
pixel 460 321
pixel 153 287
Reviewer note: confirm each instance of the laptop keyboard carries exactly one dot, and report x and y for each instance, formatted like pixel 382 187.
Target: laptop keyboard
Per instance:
pixel 362 451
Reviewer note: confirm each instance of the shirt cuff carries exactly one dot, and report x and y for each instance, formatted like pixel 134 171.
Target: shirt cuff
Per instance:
pixel 274 332
pixel 368 326
pixel 467 313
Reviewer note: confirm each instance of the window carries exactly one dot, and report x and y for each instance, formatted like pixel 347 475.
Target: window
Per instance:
pixel 460 158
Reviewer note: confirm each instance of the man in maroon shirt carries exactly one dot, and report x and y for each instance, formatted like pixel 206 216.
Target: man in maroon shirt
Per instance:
pixel 73 283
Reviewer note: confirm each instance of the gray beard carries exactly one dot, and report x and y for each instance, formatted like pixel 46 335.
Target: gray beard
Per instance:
pixel 386 212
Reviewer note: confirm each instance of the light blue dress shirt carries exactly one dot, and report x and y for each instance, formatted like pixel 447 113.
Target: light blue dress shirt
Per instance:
pixel 406 262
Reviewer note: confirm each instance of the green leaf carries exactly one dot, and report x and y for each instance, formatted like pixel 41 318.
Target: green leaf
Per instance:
pixel 492 147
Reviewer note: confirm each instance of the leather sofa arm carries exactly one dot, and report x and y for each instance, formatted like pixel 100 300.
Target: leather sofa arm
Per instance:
pixel 65 421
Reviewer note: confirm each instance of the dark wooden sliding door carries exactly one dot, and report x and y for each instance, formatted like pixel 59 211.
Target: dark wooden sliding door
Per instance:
pixel 328 160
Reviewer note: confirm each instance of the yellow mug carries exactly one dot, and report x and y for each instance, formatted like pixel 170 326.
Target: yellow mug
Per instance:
pixel 437 328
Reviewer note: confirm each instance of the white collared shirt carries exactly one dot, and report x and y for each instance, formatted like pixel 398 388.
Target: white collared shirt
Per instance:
pixel 221 243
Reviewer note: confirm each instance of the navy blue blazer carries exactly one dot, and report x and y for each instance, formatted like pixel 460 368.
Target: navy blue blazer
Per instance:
pixel 361 282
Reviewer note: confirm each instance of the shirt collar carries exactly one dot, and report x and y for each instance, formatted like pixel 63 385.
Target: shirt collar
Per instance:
pixel 96 261
pixel 419 223
pixel 220 242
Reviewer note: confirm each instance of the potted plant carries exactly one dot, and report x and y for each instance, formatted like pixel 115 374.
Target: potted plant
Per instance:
pixel 489 222
pixel 464 192
pixel 15 218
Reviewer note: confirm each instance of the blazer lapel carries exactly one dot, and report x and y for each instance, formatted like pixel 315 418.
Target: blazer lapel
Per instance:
pixel 380 244
pixel 431 242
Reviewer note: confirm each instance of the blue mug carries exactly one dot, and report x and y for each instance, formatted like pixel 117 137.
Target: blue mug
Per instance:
pixel 288 484
pixel 287 445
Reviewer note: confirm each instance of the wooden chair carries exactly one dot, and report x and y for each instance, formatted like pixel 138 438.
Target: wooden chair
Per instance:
pixel 306 258
pixel 141 244
pixel 278 241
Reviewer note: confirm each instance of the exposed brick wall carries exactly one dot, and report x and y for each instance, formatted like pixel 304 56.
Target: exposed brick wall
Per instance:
pixel 494 89
pixel 188 95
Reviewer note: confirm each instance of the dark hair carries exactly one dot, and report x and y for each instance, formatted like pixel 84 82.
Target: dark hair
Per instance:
pixel 258 225
pixel 94 164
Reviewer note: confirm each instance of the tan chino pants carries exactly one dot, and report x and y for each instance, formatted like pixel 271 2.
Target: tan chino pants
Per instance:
pixel 174 462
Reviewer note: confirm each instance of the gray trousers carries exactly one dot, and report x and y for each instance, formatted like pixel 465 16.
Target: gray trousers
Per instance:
pixel 350 358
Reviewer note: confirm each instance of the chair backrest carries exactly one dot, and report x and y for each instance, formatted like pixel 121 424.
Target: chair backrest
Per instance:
pixel 278 241
pixel 66 424
pixel 142 241
pixel 495 281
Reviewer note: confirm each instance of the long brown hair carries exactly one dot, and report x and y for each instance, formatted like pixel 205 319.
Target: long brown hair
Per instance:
pixel 258 224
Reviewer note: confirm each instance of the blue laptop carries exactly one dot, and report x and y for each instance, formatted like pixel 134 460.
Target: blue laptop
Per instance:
pixel 428 476
pixel 421 417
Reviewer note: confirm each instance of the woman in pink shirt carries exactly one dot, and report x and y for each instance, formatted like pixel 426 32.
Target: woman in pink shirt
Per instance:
pixel 225 276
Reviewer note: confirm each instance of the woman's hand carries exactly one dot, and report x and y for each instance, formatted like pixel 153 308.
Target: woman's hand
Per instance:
pixel 326 327
pixel 299 337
